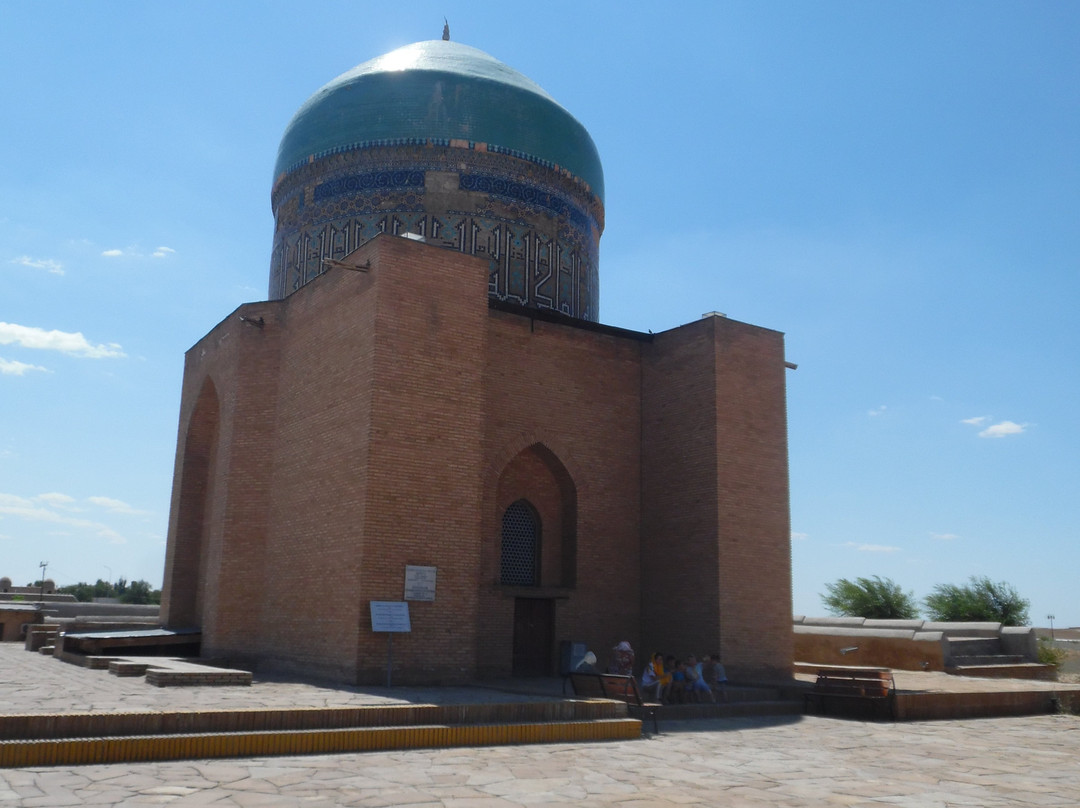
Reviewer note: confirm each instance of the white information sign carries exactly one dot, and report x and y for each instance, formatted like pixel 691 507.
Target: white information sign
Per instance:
pixel 420 583
pixel 390 616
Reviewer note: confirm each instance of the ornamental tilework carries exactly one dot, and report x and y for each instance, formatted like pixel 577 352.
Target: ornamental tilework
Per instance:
pixel 540 234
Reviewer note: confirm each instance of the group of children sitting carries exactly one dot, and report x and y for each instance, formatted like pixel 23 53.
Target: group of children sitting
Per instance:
pixel 675 681
pixel 667 679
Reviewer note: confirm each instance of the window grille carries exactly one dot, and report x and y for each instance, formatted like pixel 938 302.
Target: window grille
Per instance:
pixel 520 542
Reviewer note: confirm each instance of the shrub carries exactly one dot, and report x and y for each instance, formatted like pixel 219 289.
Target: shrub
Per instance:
pixel 1050 654
pixel 873 598
pixel 982 600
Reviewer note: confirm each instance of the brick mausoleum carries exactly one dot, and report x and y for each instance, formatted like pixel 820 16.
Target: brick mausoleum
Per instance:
pixel 449 401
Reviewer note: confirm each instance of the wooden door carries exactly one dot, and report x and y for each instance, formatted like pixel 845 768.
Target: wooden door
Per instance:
pixel 534 636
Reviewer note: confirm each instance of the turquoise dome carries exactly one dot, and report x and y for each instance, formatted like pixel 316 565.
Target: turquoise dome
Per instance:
pixel 439 91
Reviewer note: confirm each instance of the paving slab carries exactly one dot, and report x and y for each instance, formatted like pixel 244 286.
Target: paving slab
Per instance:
pixel 32 683
pixel 777 761
pixel 793 761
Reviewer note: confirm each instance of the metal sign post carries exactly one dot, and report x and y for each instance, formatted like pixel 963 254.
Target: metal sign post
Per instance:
pixel 392 617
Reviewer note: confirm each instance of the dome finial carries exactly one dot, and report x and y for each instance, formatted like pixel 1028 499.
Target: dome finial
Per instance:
pixel 446 30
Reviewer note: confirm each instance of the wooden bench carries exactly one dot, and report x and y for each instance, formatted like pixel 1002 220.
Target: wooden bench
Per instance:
pixel 612 686
pixel 860 685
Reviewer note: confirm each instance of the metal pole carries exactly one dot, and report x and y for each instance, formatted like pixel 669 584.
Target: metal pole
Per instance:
pixel 389 655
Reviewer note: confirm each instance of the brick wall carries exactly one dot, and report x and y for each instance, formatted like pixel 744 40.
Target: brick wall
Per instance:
pixel 715 529
pixel 562 406
pixel 366 426
pixel 423 502
pixel 755 519
pixel 679 523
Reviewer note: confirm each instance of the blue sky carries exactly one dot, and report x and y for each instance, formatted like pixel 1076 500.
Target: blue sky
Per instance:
pixel 894 186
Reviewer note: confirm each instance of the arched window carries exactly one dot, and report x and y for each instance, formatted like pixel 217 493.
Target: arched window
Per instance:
pixel 520 545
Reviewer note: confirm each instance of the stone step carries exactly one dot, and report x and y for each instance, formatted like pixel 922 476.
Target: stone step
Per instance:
pixel 974 646
pixel 737 693
pixel 32 726
pixel 122 667
pixel 122 749
pixel 205 677
pixel 735 709
pixel 1022 670
pixel 987 659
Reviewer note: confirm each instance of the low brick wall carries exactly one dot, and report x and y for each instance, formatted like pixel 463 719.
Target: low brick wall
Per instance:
pixel 934 706
pixel 903 644
pixel 887 648
pixel 163 677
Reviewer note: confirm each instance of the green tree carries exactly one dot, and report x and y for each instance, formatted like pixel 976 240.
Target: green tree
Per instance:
pixel 981 600
pixel 874 598
pixel 140 592
pixel 134 592
pixel 82 591
pixel 103 589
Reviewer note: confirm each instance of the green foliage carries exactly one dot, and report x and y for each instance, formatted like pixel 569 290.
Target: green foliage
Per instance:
pixel 872 598
pixel 134 592
pixel 139 592
pixel 1050 654
pixel 82 592
pixel 982 600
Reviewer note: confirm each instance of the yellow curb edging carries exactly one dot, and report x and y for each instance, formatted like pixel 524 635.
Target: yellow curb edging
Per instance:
pixel 74 752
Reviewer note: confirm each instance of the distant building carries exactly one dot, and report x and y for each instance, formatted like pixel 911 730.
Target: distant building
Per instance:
pixel 448 406
pixel 46 587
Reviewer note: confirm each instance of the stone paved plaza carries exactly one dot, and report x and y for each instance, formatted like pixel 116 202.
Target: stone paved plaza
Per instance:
pixel 789 761
pixel 735 762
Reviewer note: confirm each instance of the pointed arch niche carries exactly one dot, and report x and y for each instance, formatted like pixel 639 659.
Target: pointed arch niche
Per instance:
pixel 184 576
pixel 536 492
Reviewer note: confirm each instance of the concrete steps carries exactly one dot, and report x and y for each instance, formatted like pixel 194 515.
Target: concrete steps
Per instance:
pixel 121 749
pixel 987 659
pixel 984 657
pixel 738 709
pixel 735 702
pixel 78 738
pixel 1005 670
pixel 975 646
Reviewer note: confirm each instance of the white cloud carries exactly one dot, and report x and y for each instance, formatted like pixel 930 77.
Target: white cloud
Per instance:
pixel 110 535
pixel 799 536
pixel 978 420
pixel 114 505
pixel 1002 429
pixel 877 411
pixel 9 367
pixel 73 344
pixel 50 266
pixel 944 536
pixel 135 251
pixel 30 511
pixel 872 548
pixel 56 499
